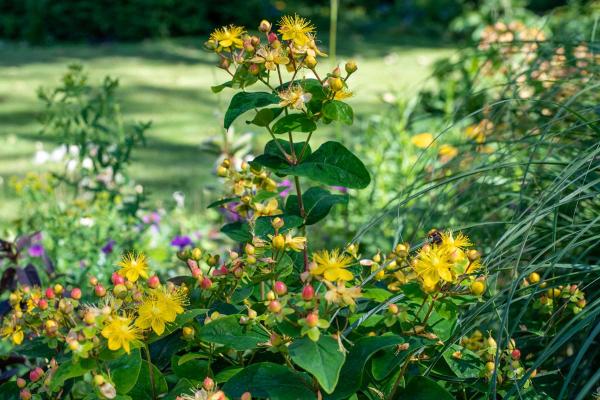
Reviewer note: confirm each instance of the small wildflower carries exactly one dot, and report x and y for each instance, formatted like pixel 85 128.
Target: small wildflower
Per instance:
pixel 133 265
pixel 422 140
pixel 295 243
pixel 341 295
pixel 270 57
pixel 296 29
pixel 332 265
pixel 295 97
pixel 120 333
pixel 228 36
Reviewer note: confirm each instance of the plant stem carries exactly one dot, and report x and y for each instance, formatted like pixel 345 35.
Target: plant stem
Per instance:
pixel 303 215
pixel 150 371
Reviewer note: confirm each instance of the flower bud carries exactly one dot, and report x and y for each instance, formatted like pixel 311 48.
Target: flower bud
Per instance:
pixel 208 384
pixel 120 291
pixel 74 345
pixel 246 396
pixel 188 332
pixel 254 69
pixel 93 281
pixel 581 303
pixel 21 383
pixel 491 342
pixel 335 84
pixel 393 309
pixel 308 292
pixel 553 292
pixel 255 40
pixel 196 253
pixel 534 277
pixel 477 288
pixel 153 282
pixel 249 249
pixel 58 289
pixel 51 327
pixel 272 37
pixel 76 293
pixel 108 391
pixel 473 255
pixel 251 314
pixel 310 62
pixel 251 260
pixel 224 63
pixel 377 258
pixel 274 306
pixel 222 171
pixel 213 260
pixel 277 223
pixel 270 295
pixel 336 72
pixel 350 67
pixel 280 288
pixel 117 279
pixel 98 380
pixel 248 47
pixel 264 26
pixel 490 366
pixel 278 242
pixel 25 394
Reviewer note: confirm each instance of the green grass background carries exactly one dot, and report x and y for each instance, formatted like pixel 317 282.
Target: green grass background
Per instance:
pixel 168 82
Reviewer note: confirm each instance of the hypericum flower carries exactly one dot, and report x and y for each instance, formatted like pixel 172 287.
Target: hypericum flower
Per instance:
pixel 342 94
pixel 269 209
pixel 133 265
pixel 455 246
pixel 295 97
pixel 174 299
pixel 433 264
pixel 332 265
pixel 341 295
pixel 295 243
pixel 296 29
pixel 14 333
pixel 154 314
pixel 270 57
pixel 120 333
pixel 228 36
pixel 422 140
pixel 447 152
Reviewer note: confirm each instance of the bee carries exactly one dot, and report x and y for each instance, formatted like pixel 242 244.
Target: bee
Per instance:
pixel 434 236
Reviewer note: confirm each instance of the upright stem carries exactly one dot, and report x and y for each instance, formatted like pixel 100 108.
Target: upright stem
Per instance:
pixel 303 215
pixel 333 17
pixel 150 370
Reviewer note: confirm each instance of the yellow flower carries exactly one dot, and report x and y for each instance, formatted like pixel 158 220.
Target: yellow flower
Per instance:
pixel 342 94
pixel 120 332
pixel 341 295
pixel 133 265
pixel 455 246
pixel 447 152
pixel 159 308
pixel 295 243
pixel 228 36
pixel 332 265
pixel 422 140
pixel 270 58
pixel 296 29
pixel 295 97
pixel 433 264
pixel 14 333
pixel 269 209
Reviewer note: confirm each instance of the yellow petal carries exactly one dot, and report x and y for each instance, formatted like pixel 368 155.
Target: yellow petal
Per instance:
pixel 158 326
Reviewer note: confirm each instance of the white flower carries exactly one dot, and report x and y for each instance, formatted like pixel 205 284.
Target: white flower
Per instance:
pixel 86 221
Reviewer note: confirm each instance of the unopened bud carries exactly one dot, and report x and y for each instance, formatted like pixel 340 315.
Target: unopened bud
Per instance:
pixel 335 84
pixel 278 242
pixel 153 282
pixel 350 67
pixel 280 288
pixel 264 26
pixel 310 62
pixel 277 223
pixel 274 306
pixel 208 384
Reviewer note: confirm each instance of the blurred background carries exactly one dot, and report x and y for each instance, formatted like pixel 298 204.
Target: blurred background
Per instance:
pixel 155 49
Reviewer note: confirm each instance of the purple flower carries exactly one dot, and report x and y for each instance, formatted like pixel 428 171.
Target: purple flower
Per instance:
pixel 108 247
pixel 181 241
pixel 342 189
pixel 152 218
pixel 287 184
pixel 36 250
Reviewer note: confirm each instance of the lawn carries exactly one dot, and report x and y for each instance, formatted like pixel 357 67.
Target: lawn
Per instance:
pixel 168 83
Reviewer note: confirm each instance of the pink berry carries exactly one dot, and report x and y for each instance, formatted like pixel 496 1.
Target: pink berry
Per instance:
pixel 516 354
pixel 100 291
pixel 50 293
pixel 153 282
pixel 36 374
pixel 206 283
pixel 280 288
pixel 274 306
pixel 117 279
pixel 76 293
pixel 43 304
pixel 208 384
pixel 308 292
pixel 312 320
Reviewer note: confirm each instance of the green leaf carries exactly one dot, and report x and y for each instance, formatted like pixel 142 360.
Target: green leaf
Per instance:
pixel 338 111
pixel 228 332
pixel 317 204
pixel 469 365
pixel 385 362
pixel 272 157
pixel 125 371
pixel 270 381
pixel 226 374
pixel 263 226
pixel 219 88
pixel 322 359
pixel 193 369
pixel 423 388
pixel 143 389
pixel 333 164
pixel 70 369
pixel 223 201
pixel 238 231
pixel 378 294
pixel 244 101
pixel 353 369
pixel 191 356
pixel 265 116
pixel 184 386
pixel 294 123
pixel 180 320
pixel 10 391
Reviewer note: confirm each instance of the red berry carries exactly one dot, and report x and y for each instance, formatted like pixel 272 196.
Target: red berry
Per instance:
pixel 76 293
pixel 50 293
pixel 516 354
pixel 43 304
pixel 280 288
pixel 312 320
pixel 308 292
pixel 25 394
pixel 206 283
pixel 274 306
pixel 117 279
pixel 100 291
pixel 153 282
pixel 36 374
pixel 272 37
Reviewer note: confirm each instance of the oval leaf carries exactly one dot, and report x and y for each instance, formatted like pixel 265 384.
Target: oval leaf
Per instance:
pixel 227 331
pixel 317 204
pixel 423 388
pixel 294 123
pixel 322 359
pixel 338 111
pixel 242 102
